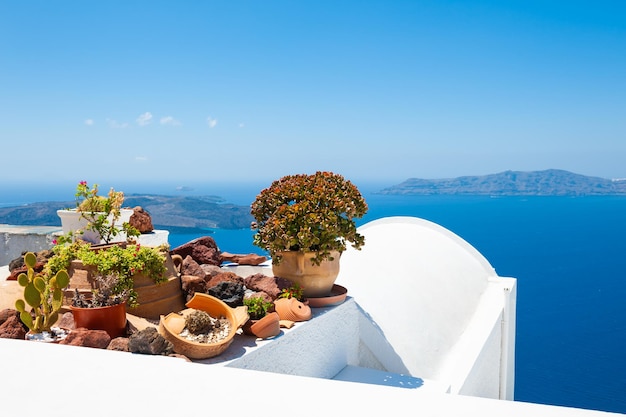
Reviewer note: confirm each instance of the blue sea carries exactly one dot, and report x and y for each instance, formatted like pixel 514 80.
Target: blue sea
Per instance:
pixel 567 253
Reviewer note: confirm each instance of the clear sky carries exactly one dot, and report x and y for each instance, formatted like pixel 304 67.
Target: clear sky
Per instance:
pixel 374 90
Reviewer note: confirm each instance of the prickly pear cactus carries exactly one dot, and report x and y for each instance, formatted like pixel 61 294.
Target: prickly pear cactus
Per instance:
pixel 44 296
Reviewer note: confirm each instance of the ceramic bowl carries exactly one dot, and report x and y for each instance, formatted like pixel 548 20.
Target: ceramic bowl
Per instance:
pixel 171 325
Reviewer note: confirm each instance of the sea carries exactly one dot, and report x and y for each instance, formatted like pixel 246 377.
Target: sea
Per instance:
pixel 567 253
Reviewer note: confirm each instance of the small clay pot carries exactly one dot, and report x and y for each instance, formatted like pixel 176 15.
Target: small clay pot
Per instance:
pixel 109 318
pixel 291 309
pixel 264 328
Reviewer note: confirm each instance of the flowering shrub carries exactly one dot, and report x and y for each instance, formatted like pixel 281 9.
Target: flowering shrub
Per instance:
pixel 309 213
pixel 124 261
pixel 101 212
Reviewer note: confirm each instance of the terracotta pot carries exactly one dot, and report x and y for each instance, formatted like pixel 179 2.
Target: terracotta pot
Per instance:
pixel 112 319
pixel 291 309
pixel 171 325
pixel 264 328
pixel 153 299
pixel 315 280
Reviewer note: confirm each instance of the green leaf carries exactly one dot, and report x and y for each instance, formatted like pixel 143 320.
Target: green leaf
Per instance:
pixel 27 319
pixel 32 296
pixel 63 279
pixel 40 284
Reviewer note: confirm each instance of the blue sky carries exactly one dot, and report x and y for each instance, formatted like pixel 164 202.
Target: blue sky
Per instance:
pixel 253 90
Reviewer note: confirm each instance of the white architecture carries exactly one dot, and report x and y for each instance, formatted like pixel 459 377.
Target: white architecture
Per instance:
pixel 428 328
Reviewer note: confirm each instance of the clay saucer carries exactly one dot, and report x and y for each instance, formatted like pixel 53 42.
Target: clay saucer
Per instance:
pixel 337 295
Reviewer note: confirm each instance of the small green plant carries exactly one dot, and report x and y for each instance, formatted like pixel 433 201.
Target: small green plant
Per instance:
pixel 295 291
pixel 43 294
pixel 102 213
pixel 308 213
pixel 106 294
pixel 257 307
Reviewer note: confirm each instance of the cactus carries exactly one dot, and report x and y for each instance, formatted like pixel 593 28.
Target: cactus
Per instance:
pixel 43 294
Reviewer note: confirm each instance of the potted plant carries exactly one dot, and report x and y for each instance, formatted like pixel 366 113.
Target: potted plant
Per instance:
pixel 305 222
pixel 147 273
pixel 44 294
pixel 104 308
pixel 97 219
pixel 264 322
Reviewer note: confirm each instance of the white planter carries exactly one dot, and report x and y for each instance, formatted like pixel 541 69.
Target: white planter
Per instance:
pixel 72 221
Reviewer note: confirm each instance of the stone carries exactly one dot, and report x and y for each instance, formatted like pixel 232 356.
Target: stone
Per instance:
pixel 191 284
pixel 120 344
pixel 191 267
pixel 229 292
pixel 87 338
pixel 269 285
pixel 6 313
pixel 149 341
pixel 66 321
pixel 222 276
pixel 249 259
pixel 12 327
pixel 203 250
pixel 42 258
pixel 141 220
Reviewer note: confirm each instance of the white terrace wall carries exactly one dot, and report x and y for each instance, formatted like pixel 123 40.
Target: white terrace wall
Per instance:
pixel 439 304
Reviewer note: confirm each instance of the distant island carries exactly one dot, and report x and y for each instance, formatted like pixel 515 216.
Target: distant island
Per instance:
pixel 184 213
pixel 166 212
pixel 553 182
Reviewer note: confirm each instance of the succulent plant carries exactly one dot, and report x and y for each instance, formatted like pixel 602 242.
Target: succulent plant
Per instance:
pixel 43 294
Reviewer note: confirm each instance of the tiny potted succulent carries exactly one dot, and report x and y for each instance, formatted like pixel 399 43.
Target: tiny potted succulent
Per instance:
pixel 98 219
pixel 104 308
pixel 264 322
pixel 44 294
pixel 305 222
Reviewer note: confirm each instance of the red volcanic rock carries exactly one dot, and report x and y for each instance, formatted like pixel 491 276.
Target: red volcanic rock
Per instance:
pixel 12 327
pixel 141 220
pixel 66 321
pixel 223 277
pixel 249 259
pixel 191 284
pixel 119 343
pixel 191 267
pixel 272 286
pixel 87 338
pixel 203 250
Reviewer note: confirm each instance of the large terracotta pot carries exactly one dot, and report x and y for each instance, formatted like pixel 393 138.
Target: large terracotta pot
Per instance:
pixel 153 299
pixel 112 319
pixel 72 220
pixel 315 280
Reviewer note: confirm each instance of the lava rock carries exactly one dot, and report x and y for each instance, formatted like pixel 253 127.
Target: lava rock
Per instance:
pixel 222 276
pixel 229 292
pixel 249 259
pixel 12 327
pixel 141 220
pixel 203 250
pixel 192 284
pixel 149 341
pixel 120 344
pixel 87 338
pixel 269 285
